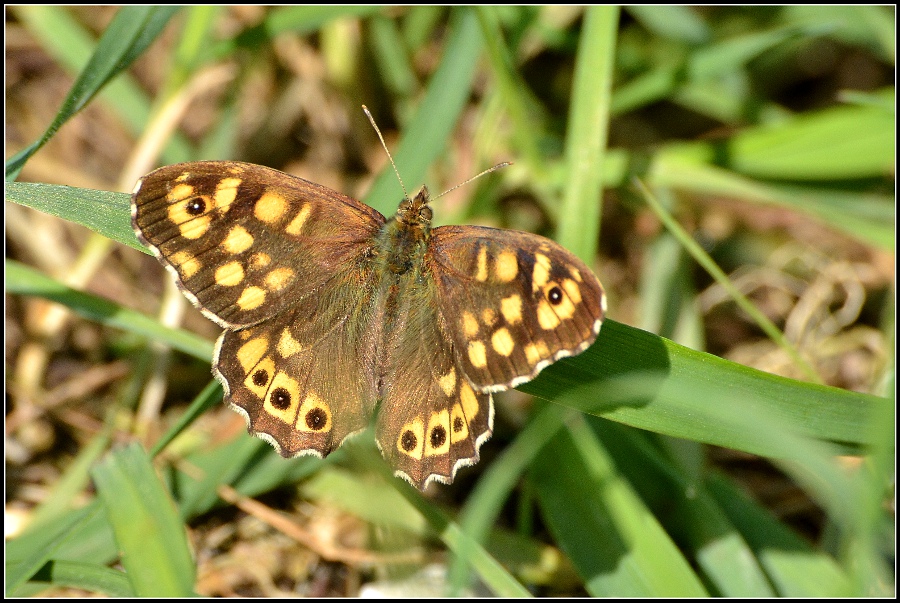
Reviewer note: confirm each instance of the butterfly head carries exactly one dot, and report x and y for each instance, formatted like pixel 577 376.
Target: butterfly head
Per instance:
pixel 414 213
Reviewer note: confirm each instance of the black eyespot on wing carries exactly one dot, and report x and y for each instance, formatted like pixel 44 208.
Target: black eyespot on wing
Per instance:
pixel 316 419
pixel 260 378
pixel 555 295
pixel 438 436
pixel 281 398
pixel 409 441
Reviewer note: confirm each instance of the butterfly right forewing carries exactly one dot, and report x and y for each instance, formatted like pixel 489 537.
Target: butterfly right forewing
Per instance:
pixel 512 302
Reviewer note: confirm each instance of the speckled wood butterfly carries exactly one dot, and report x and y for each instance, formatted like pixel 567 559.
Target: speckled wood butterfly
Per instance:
pixel 329 308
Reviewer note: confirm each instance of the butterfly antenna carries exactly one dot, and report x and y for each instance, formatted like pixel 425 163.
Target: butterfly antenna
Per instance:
pixel 487 171
pixel 381 138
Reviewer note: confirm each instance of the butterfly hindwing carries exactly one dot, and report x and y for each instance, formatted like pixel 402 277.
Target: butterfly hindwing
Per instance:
pixel 304 379
pixel 431 421
pixel 513 302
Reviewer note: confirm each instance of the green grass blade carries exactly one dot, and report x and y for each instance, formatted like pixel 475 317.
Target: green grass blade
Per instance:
pixel 61 498
pixel 494 575
pixel 102 211
pixel 148 531
pixel 125 39
pixel 72 45
pixel 687 510
pixel 844 142
pixel 673 22
pixel 486 501
pixel 425 137
pixel 525 112
pixel 643 380
pixel 613 540
pixel 26 554
pixel 209 397
pixel 579 218
pixel 91 577
pixel 703 258
pixel 868 217
pixel 23 280
pixel 793 567
pixel 297 19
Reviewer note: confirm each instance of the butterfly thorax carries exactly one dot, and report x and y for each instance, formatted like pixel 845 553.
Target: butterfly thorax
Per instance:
pixel 403 239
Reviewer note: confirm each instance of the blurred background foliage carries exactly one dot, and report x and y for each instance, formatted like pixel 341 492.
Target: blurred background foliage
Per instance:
pixel 766 132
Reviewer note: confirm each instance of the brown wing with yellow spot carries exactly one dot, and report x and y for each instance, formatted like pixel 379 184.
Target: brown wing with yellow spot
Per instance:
pixel 304 379
pixel 431 421
pixel 247 242
pixel 512 302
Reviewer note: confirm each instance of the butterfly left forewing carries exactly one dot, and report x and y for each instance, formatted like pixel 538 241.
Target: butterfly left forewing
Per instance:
pixel 246 241
pixel 512 302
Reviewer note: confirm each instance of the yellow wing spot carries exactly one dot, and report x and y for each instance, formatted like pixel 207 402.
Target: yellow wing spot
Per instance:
pixel 260 260
pixel 226 192
pixel 506 266
pixel 448 382
pixel 489 317
pixel 283 398
pixel 502 342
pixel 259 377
pixel 572 290
pixel 411 440
pixel 482 273
pixel 575 273
pixel 314 415
pixel 187 264
pixel 547 318
pixel 230 274
pixel 180 192
pixel 459 427
pixel 511 309
pixel 469 400
pixel 251 298
pixel 540 276
pixel 535 352
pixel 287 345
pixel 296 224
pixel 477 354
pixel 470 325
pixel 196 228
pixel 279 278
pixel 184 176
pixel 252 352
pixel 437 436
pixel 238 240
pixel 270 208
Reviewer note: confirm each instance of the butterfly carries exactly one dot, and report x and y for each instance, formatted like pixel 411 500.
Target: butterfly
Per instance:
pixel 334 314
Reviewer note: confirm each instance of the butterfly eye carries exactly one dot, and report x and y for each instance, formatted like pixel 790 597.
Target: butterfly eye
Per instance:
pixel 425 214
